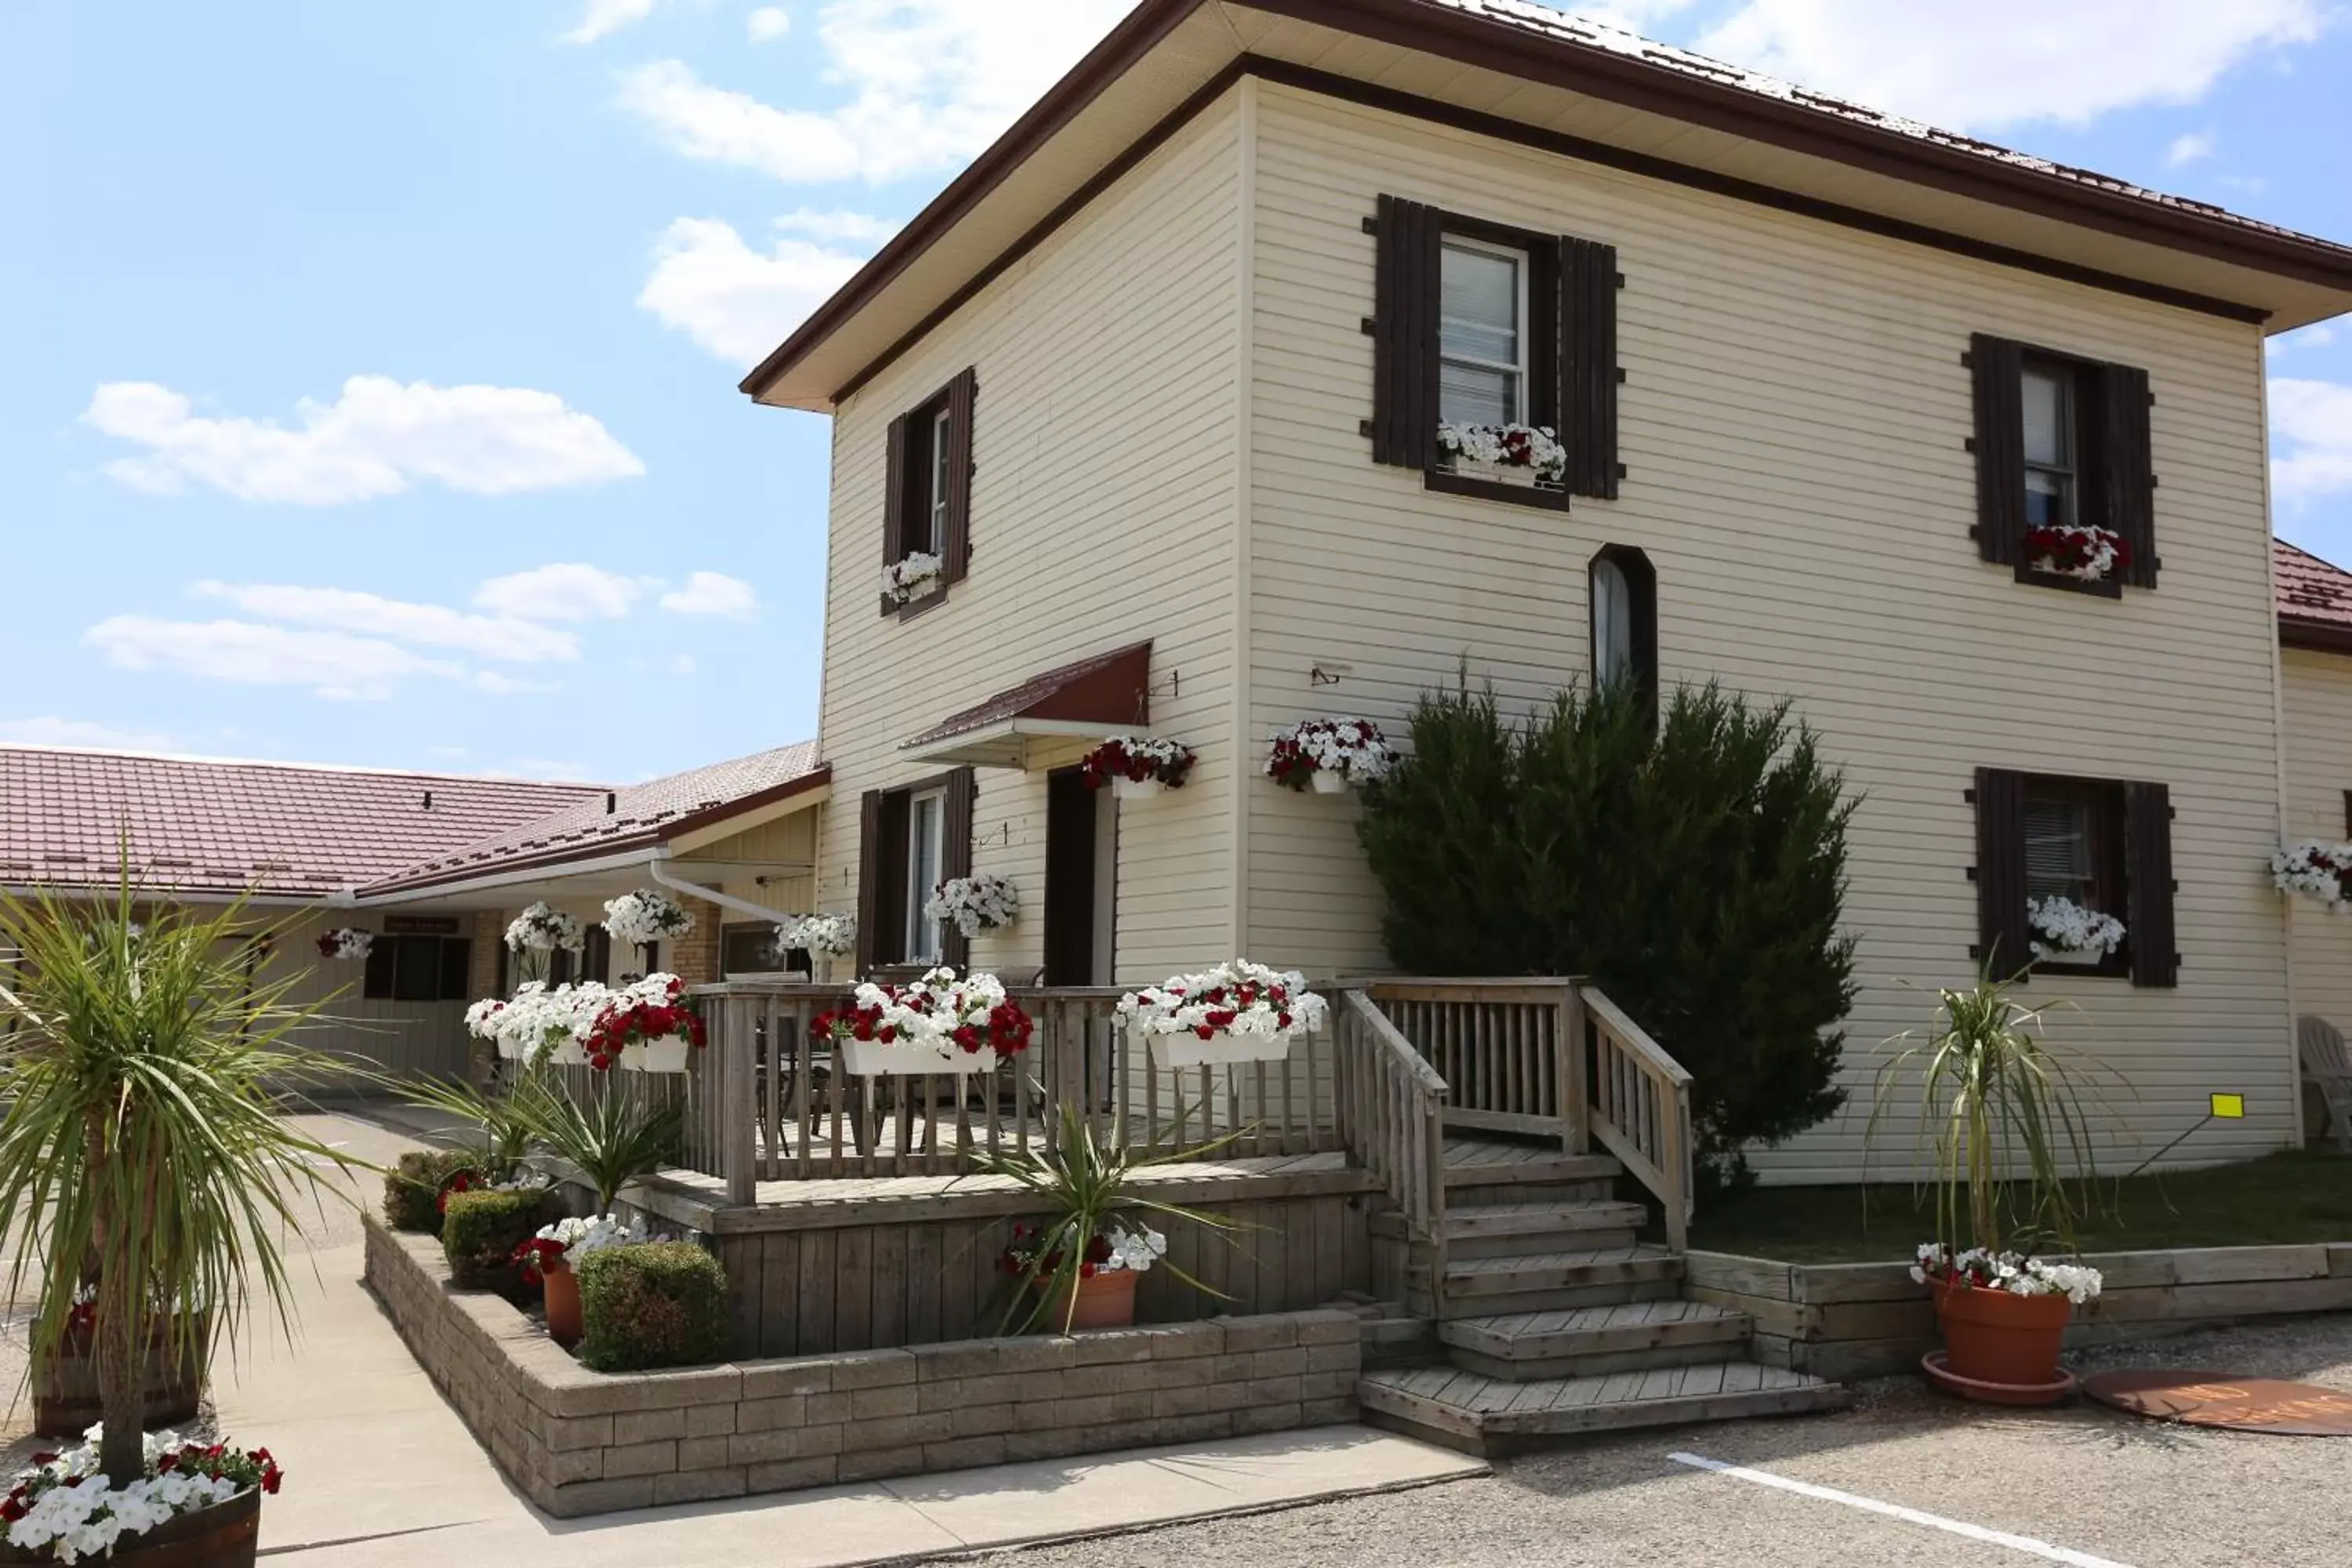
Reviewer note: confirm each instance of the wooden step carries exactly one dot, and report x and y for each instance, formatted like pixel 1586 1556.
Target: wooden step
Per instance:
pixel 1490 1415
pixel 1484 1221
pixel 1588 1341
pixel 1548 1281
pixel 1498 1169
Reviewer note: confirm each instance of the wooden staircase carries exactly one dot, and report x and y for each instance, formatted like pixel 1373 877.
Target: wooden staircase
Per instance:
pixel 1555 1321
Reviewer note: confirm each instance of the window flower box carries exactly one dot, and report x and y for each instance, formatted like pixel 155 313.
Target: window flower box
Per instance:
pixel 2066 932
pixel 2084 553
pixel 644 1027
pixel 939 1024
pixel 974 904
pixel 1525 455
pixel 2315 868
pixel 1328 755
pixel 1136 766
pixel 913 577
pixel 1237 1012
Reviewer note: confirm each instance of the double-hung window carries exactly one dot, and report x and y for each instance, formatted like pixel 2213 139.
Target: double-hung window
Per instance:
pixel 1482 333
pixel 2052 442
pixel 2065 468
pixel 926 814
pixel 911 839
pixel 927 506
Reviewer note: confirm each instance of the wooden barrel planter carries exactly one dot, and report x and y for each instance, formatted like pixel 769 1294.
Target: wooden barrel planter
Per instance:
pixel 65 1387
pixel 225 1535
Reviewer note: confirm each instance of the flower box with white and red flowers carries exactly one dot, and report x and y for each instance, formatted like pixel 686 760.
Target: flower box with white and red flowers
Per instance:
pixel 1237 1012
pixel 1135 766
pixel 2082 552
pixel 647 1028
pixel 2315 868
pixel 1528 455
pixel 939 1024
pixel 1327 755
pixel 197 1503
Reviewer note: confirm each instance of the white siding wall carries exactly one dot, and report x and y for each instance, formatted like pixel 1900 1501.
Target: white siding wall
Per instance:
pixel 2319 697
pixel 404 1038
pixel 1794 428
pixel 1104 500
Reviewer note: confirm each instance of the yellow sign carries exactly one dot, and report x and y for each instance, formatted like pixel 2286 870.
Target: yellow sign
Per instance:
pixel 2229 1107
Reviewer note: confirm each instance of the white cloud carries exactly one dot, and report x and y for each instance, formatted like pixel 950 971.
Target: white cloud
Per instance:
pixel 2005 62
pixel 766 24
pixel 56 731
pixel 499 684
pixel 713 593
pixel 377 439
pixel 2311 426
pixel 2190 147
pixel 683 665
pixel 733 300
pixel 857 229
pixel 331 664
pixel 567 592
pixel 925 85
pixel 603 17
pixel 504 637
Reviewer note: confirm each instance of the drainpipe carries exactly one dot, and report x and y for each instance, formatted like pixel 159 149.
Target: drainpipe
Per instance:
pixel 710 895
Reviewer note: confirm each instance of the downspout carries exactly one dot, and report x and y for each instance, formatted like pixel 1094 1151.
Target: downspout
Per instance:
pixel 655 867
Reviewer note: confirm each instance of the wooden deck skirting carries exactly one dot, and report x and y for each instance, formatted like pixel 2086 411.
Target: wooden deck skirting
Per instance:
pixel 1869 1319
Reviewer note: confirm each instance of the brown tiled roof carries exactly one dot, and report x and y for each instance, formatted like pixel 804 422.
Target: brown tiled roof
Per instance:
pixel 1110 689
pixel 197 826
pixel 623 818
pixel 2315 600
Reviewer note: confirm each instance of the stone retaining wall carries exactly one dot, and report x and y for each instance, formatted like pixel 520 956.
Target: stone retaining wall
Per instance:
pixel 579 1442
pixel 1844 1320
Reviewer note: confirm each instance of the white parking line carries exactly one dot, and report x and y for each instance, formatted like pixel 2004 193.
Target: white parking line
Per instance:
pixel 2024 1543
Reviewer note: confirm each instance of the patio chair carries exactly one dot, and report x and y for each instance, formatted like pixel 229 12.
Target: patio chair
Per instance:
pixel 2328 1066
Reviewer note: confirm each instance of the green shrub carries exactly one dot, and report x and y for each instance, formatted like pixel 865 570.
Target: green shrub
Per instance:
pixel 411 1189
pixel 481 1230
pixel 653 1303
pixel 1692 865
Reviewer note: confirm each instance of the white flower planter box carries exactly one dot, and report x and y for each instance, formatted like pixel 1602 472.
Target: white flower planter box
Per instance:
pixel 872 1058
pixel 1323 781
pixel 659 1056
pixel 1189 1050
pixel 1136 789
pixel 1518 474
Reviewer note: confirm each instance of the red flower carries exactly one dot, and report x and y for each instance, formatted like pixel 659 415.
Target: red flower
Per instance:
pixel 1086 1270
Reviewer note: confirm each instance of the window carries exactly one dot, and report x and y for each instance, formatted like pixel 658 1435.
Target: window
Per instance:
pixel 924 816
pixel 1482 334
pixel 2048 396
pixel 1623 604
pixel 926 504
pixel 2103 844
pixel 928 438
pixel 751 950
pixel 943 443
pixel 417 969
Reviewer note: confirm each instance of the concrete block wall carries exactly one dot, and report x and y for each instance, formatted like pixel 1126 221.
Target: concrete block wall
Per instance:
pixel 579 1442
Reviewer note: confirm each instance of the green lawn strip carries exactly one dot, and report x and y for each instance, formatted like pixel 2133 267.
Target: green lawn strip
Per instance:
pixel 2286 1199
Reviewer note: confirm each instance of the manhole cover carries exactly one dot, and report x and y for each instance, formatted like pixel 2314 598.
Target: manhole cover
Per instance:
pixel 2220 1399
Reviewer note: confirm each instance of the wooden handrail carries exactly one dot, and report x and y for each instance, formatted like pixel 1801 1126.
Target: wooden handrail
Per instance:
pixel 1641 1111
pixel 1636 1037
pixel 1392 1120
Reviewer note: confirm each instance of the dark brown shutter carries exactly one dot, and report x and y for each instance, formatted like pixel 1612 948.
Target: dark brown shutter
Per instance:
pixel 2004 940
pixel 955 854
pixel 869 880
pixel 1588 398
pixel 1404 336
pixel 1999 367
pixel 2127 467
pixel 964 395
pixel 2147 848
pixel 894 504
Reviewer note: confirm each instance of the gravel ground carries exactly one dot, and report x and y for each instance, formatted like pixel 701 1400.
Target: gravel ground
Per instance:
pixel 2083 1478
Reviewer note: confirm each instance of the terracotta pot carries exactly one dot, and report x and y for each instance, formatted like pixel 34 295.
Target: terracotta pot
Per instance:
pixel 563 1324
pixel 65 1388
pixel 223 1536
pixel 1105 1301
pixel 2000 1337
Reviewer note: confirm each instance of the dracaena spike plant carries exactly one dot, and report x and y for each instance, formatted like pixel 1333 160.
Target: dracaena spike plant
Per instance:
pixel 144 1063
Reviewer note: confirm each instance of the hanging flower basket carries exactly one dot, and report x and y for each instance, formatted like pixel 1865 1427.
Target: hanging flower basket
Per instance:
pixel 2066 932
pixel 1527 454
pixel 2315 868
pixel 1135 766
pixel 346 944
pixel 985 902
pixel 645 916
pixel 2083 551
pixel 1237 1012
pixel 542 929
pixel 912 578
pixel 939 1024
pixel 1328 755
pixel 826 936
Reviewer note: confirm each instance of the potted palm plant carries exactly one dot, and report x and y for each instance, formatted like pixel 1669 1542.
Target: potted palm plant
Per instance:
pixel 2012 1172
pixel 1076 1265
pixel 147 1179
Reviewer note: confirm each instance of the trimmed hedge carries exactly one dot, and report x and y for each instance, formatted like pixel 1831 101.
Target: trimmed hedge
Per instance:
pixel 481 1229
pixel 411 1189
pixel 653 1303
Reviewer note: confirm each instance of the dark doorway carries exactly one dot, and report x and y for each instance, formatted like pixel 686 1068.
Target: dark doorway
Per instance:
pixel 1072 876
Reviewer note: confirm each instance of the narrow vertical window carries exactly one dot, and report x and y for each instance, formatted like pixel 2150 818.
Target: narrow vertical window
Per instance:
pixel 925 818
pixel 943 448
pixel 1622 607
pixel 1482 334
pixel 2048 394
pixel 1612 624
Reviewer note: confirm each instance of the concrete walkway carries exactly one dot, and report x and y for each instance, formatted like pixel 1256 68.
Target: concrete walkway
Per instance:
pixel 380 1470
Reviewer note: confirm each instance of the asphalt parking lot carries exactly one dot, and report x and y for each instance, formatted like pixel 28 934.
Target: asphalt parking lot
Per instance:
pixel 2081 1485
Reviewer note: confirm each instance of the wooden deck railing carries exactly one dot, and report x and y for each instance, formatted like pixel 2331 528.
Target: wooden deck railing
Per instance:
pixel 1391 1111
pixel 1505 1049
pixel 1641 1111
pixel 769 1103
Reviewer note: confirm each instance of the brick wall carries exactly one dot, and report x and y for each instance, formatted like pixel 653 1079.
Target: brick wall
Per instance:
pixel 482 980
pixel 694 957
pixel 578 1442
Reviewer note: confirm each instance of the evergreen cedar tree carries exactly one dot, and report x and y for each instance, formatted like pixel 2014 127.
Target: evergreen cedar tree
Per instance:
pixel 1694 869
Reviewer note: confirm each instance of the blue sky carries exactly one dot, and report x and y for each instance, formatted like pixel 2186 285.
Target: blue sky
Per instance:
pixel 367 371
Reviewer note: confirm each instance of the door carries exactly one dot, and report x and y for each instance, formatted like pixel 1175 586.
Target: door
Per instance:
pixel 1077 948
